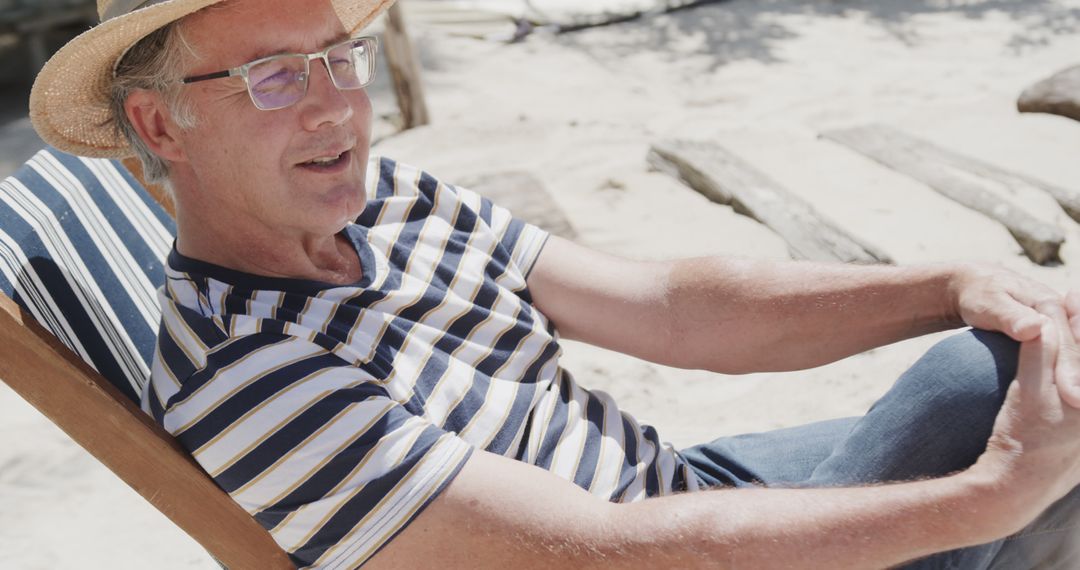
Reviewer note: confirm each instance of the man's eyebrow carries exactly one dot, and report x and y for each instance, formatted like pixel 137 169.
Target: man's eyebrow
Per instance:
pixel 267 52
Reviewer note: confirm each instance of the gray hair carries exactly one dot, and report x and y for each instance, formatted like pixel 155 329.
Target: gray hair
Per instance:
pixel 153 63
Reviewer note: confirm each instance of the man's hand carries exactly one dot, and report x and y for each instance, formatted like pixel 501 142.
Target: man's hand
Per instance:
pixel 1033 455
pixel 993 298
pixel 1070 391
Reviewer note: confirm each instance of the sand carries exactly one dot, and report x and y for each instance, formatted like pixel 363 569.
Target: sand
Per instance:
pixel 580 110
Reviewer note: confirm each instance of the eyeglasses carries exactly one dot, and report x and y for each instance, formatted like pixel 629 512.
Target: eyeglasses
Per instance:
pixel 279 81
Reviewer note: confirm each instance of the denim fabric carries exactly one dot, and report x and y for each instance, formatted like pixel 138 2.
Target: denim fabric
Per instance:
pixel 934 421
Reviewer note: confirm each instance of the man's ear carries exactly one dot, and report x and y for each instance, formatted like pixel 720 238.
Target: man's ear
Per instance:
pixel 149 114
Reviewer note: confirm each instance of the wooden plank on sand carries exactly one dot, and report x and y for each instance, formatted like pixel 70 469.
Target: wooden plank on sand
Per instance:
pixel 404 70
pixel 960 179
pixel 1058 94
pixel 725 178
pixel 525 196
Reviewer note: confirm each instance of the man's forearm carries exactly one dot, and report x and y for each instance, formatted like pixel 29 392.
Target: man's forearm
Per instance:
pixel 735 316
pixel 498 513
pixel 869 527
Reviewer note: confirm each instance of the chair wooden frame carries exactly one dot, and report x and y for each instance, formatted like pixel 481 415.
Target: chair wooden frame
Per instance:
pixel 105 422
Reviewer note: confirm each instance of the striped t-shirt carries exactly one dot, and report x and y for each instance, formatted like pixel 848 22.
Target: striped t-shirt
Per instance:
pixel 334 414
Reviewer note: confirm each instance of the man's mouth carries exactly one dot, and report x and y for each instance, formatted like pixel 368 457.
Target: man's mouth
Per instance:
pixel 328 163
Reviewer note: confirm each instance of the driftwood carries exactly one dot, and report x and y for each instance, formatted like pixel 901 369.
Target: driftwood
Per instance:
pixel 578 22
pixel 404 70
pixel 525 196
pixel 725 178
pixel 1069 200
pixel 965 181
pixel 1058 94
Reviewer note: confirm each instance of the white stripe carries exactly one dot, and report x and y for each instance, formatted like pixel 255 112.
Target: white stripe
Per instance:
pixel 383 457
pixel 568 451
pixel 431 472
pixel 60 248
pixel 158 237
pixel 234 377
pixel 298 463
pixel 26 283
pixel 609 463
pixel 257 424
pixel 100 230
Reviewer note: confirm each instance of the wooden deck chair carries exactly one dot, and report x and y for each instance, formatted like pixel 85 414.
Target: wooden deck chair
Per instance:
pixel 82 248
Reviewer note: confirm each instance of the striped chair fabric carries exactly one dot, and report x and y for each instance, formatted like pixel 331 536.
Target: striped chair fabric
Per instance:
pixel 82 249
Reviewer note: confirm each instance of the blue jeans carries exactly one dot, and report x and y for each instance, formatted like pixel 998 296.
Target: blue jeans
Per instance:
pixel 934 421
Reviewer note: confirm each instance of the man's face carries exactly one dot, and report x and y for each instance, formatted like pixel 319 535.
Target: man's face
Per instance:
pixel 255 167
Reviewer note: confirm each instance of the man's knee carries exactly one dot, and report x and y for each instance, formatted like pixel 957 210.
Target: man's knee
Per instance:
pixel 939 415
pixel 971 371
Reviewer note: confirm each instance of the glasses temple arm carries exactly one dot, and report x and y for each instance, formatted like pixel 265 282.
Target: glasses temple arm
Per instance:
pixel 214 75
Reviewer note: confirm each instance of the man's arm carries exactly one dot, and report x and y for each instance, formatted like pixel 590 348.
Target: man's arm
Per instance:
pixel 498 513
pixel 737 315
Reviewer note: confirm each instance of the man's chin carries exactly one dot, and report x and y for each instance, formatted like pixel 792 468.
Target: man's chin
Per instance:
pixel 345 204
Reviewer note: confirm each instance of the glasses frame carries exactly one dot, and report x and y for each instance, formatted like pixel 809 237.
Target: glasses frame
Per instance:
pixel 371 43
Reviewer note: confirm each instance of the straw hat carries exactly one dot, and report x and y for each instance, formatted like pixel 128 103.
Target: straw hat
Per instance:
pixel 69 103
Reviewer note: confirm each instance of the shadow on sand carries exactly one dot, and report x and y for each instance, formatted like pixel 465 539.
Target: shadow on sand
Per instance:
pixel 736 30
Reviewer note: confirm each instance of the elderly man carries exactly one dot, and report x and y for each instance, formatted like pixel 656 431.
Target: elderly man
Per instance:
pixel 367 358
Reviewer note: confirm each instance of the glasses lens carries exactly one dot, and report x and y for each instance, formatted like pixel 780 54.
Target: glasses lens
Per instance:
pixel 352 63
pixel 277 82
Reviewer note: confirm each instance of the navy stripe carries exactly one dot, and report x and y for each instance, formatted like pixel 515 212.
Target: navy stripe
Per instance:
pixel 437 364
pixel 154 400
pixel 104 340
pixel 250 396
pixel 236 300
pixel 386 185
pixel 131 238
pixel 291 307
pixel 92 326
pixel 293 433
pixel 148 262
pixel 652 477
pixel 93 184
pixel 556 425
pixel 594 412
pixel 206 329
pixel 451 475
pixel 507 344
pixel 176 359
pixel 630 457
pixel 508 238
pixel 224 355
pixel 456 332
pixel 65 307
pixel 355 508
pixel 486 208
pixel 322 481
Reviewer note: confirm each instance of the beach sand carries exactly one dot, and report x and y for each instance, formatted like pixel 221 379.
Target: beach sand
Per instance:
pixel 579 111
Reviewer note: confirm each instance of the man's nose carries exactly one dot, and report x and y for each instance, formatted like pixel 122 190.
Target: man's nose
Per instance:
pixel 324 102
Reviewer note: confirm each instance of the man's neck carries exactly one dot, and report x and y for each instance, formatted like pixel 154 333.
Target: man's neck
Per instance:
pixel 328 258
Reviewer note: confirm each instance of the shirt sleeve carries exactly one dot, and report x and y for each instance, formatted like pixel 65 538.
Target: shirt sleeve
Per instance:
pixel 314 448
pixel 520 241
pixel 523 240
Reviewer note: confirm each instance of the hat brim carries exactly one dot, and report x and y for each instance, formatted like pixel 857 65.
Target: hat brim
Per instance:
pixel 69 102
